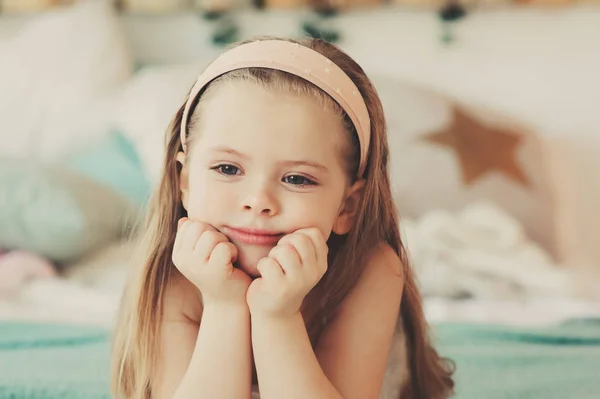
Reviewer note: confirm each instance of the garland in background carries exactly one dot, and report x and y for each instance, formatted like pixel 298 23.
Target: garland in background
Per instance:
pixel 320 24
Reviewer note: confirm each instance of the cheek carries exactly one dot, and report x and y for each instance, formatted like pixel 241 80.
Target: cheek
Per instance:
pixel 206 201
pixel 318 212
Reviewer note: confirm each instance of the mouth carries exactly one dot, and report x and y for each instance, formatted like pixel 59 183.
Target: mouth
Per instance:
pixel 253 236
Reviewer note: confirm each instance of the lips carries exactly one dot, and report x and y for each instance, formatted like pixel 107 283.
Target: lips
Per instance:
pixel 253 236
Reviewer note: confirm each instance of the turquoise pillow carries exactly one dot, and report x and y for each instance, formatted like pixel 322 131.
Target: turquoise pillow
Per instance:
pixel 58 213
pixel 114 162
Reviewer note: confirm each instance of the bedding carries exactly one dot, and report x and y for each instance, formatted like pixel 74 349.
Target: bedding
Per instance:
pixel 87 290
pixel 483 252
pixel 39 361
pixel 55 337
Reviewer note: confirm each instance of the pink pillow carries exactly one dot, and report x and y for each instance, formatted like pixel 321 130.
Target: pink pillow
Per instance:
pixel 17 267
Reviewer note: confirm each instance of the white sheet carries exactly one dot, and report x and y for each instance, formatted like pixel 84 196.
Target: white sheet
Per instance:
pixel 88 292
pixel 530 312
pixel 66 301
pixel 483 252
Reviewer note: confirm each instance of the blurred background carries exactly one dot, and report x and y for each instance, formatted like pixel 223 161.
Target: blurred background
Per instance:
pixel 493 111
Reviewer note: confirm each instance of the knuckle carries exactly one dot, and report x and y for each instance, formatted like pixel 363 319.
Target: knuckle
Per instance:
pixel 268 262
pixel 194 227
pixel 272 252
pixel 262 263
pixel 276 253
pixel 291 246
pixel 206 226
pixel 284 239
pixel 303 240
pixel 217 251
pixel 285 248
pixel 211 237
pixel 185 223
pixel 224 248
pixel 304 237
pixel 312 232
pixel 276 265
pixel 201 228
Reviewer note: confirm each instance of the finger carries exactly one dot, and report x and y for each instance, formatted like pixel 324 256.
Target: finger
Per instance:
pixel 287 256
pixel 318 240
pixel 270 270
pixel 223 255
pixel 178 235
pixel 192 234
pixel 182 232
pixel 207 243
pixel 181 222
pixel 303 246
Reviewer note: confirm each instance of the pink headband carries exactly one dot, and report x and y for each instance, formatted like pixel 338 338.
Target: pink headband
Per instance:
pixel 297 60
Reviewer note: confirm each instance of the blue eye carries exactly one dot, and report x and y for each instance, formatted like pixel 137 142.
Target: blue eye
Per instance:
pixel 298 180
pixel 226 169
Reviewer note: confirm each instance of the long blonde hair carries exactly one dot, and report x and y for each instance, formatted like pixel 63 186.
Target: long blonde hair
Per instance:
pixel 136 346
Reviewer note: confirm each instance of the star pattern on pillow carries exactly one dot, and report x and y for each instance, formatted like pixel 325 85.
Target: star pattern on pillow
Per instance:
pixel 480 149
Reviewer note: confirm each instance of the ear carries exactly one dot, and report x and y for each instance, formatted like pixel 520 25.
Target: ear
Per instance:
pixel 183 178
pixel 349 208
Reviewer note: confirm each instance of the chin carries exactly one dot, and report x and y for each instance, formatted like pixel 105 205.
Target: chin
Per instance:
pixel 249 256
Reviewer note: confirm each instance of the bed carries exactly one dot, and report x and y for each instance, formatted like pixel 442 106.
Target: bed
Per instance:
pixel 517 323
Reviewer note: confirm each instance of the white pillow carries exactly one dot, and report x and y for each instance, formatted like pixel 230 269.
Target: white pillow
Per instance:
pixel 56 75
pixel 148 105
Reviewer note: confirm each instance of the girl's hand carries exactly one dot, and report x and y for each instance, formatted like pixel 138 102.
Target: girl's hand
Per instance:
pixel 205 257
pixel 288 274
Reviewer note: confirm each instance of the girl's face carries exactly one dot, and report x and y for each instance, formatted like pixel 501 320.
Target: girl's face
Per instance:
pixel 266 163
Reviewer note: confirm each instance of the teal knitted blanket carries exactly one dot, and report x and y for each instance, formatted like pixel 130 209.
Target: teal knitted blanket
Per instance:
pixel 495 362
pixel 43 361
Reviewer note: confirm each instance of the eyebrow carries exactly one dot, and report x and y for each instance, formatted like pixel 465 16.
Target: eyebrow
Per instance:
pixel 306 163
pixel 231 151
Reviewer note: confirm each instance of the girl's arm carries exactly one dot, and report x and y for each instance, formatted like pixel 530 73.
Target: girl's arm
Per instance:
pixel 352 355
pixel 207 358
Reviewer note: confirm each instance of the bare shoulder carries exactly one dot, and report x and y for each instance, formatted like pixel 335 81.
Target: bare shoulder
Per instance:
pixel 381 281
pixel 182 300
pixel 354 350
pixel 383 263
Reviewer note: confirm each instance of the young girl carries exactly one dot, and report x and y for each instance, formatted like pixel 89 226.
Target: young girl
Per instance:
pixel 273 260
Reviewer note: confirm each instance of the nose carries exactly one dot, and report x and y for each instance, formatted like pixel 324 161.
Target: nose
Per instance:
pixel 261 201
